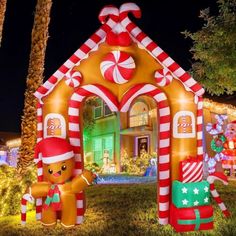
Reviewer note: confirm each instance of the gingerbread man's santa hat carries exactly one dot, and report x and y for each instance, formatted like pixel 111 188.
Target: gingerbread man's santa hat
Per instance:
pixel 52 150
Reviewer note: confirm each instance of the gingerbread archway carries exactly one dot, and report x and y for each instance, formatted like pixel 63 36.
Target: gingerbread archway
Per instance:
pixel 147 70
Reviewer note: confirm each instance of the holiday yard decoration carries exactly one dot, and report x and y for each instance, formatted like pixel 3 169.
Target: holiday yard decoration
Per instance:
pixel 223 143
pixel 59 187
pixel 119 63
pixel 190 194
pixel 211 179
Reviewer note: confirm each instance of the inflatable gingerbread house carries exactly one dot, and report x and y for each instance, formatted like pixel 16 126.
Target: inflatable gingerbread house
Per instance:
pixel 119 63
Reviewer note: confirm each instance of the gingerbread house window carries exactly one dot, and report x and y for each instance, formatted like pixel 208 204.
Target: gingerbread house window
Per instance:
pixel 54 126
pixel 184 125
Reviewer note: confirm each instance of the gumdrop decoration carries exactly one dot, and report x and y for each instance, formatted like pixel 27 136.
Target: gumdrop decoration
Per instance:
pixel 117 67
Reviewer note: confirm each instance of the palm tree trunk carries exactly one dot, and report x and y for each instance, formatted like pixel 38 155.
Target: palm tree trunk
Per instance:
pixel 3 4
pixel 34 80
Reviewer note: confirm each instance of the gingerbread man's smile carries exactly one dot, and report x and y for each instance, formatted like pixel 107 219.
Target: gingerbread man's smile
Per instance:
pixel 57 174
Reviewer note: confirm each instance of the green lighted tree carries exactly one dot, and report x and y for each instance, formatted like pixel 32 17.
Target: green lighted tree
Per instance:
pixel 214 49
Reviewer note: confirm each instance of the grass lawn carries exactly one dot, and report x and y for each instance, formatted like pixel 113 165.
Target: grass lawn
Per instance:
pixel 124 209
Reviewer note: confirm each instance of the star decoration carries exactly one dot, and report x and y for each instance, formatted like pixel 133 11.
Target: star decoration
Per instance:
pixel 196 191
pixel 184 190
pixel 196 203
pixel 185 202
pixel 206 199
pixel 206 189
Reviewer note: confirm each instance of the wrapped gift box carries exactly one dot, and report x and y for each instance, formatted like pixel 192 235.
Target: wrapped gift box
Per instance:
pixel 191 170
pixel 191 219
pixel 190 194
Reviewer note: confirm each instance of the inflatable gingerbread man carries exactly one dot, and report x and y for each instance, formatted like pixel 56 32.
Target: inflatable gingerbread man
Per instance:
pixel 59 187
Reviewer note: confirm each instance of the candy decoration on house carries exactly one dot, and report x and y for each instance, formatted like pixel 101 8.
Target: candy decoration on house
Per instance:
pixel 118 63
pixel 59 187
pixel 117 67
pixel 73 79
pixel 211 179
pixel 54 127
pixel 163 77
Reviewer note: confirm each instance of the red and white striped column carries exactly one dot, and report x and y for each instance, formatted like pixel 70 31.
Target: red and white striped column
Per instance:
pixel 75 132
pixel 200 127
pixel 164 142
pixel 39 159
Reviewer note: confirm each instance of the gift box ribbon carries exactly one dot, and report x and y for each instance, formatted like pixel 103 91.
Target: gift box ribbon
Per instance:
pixel 197 222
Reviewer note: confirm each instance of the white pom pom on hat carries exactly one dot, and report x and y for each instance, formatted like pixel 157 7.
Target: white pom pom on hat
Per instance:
pixel 53 150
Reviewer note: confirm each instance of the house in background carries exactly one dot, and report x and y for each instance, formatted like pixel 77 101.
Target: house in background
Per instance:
pixel 133 132
pixel 9 148
pixel 136 131
pixel 210 109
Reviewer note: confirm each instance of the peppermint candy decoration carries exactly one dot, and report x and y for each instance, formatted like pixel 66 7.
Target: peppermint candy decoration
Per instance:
pixel 74 79
pixel 117 67
pixel 163 77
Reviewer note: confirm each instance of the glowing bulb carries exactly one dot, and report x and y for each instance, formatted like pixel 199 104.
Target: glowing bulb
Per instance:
pixel 231 145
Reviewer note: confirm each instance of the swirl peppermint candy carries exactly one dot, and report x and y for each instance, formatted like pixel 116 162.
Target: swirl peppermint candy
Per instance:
pixel 74 79
pixel 117 67
pixel 163 77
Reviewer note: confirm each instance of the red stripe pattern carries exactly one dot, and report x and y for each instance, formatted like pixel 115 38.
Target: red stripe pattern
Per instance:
pixel 107 12
pixel 73 79
pixel 117 67
pixel 211 179
pixel 164 141
pixel 39 160
pixel 75 135
pixel 191 171
pixel 199 127
pixel 26 198
pixel 154 49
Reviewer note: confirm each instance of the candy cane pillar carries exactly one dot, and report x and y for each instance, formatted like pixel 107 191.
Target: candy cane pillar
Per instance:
pixel 163 145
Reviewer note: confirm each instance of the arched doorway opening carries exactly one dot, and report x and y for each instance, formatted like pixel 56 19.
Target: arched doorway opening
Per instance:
pixel 75 132
pixel 163 109
pixel 138 141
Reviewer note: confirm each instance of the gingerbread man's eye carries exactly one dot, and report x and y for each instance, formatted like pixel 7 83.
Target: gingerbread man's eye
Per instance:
pixel 63 167
pixel 50 171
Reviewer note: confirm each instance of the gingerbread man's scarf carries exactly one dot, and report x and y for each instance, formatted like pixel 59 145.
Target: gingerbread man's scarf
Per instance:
pixel 53 198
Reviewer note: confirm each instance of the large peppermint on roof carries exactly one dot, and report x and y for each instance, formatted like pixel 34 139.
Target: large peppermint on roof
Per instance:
pixel 117 67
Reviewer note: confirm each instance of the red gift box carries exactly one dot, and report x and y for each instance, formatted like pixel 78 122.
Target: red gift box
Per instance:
pixel 192 218
pixel 191 170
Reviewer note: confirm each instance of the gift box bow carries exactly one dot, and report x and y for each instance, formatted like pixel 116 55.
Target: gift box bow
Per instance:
pixel 197 222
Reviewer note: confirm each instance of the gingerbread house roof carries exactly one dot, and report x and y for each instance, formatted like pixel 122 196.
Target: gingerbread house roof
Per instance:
pixel 117 20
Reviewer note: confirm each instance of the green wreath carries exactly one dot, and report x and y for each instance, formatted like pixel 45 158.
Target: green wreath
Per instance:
pixel 215 147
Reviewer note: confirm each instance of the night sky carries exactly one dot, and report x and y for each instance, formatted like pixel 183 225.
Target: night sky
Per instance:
pixel 72 23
